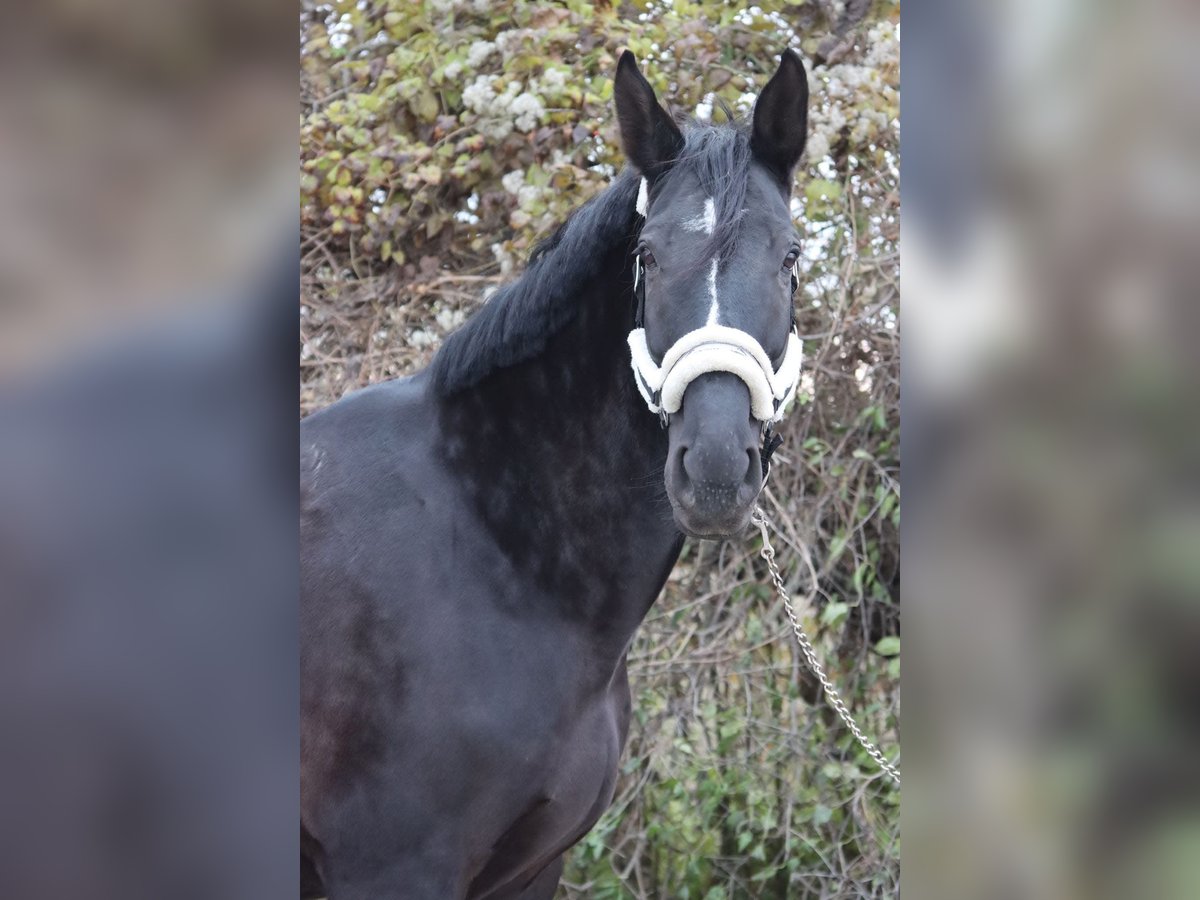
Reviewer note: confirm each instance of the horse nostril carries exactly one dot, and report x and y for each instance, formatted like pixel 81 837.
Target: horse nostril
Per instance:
pixel 679 470
pixel 754 473
pixel 688 465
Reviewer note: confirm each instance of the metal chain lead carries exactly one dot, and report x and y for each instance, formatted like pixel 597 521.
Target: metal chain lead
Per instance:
pixel 831 693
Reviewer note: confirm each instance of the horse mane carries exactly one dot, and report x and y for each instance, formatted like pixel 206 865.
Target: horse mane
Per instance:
pixel 516 323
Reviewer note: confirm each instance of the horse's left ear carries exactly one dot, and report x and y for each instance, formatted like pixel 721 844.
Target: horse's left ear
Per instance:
pixel 781 119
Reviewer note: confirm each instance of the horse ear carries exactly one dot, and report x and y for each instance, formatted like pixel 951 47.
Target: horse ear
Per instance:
pixel 781 119
pixel 650 139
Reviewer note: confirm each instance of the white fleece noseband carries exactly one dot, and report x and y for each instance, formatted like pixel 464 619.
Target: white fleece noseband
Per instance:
pixel 713 348
pixel 716 348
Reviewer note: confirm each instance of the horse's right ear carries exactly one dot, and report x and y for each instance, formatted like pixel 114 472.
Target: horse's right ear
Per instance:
pixel 650 139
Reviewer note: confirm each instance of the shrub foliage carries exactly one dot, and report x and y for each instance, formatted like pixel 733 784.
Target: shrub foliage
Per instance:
pixel 439 141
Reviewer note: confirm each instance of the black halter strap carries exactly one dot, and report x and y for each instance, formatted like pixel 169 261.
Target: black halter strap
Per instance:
pixel 771 440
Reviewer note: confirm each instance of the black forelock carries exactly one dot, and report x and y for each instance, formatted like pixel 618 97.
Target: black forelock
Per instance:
pixel 718 156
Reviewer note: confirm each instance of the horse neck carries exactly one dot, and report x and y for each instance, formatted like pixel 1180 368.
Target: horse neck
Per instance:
pixel 564 466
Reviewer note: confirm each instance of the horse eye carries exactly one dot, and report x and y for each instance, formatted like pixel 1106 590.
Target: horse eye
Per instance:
pixel 647 257
pixel 790 260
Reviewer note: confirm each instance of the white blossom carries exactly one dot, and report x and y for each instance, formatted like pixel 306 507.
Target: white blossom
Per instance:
pixel 512 181
pixel 509 41
pixel 479 95
pixel 504 258
pixel 528 110
pixel 526 195
pixel 448 319
pixel 817 147
pixel 420 337
pixel 554 80
pixel 515 107
pixel 479 52
pixel 884 46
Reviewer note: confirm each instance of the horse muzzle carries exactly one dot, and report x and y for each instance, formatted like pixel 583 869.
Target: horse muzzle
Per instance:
pixel 714 468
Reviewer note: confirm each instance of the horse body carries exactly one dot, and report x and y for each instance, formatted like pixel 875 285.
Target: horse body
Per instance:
pixel 465 699
pixel 480 542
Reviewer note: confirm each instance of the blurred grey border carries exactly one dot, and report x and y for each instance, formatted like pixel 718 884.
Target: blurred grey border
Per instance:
pixel 148 465
pixel 1051 541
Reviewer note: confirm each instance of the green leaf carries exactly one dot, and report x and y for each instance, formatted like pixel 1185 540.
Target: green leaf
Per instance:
pixel 424 105
pixel 765 874
pixel 430 174
pixel 860 572
pixel 834 614
pixel 838 545
pixel 822 189
pixel 888 646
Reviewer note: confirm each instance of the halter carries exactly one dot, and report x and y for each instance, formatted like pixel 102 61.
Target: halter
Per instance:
pixel 711 348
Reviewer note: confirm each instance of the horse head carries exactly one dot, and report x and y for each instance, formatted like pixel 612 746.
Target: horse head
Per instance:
pixel 713 347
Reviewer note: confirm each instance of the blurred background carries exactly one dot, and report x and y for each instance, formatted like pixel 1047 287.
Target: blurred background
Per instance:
pixel 439 142
pixel 1051 444
pixel 148 559
pixel 144 166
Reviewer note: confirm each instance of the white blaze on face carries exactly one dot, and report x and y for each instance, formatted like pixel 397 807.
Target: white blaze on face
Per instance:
pixel 713 309
pixel 707 222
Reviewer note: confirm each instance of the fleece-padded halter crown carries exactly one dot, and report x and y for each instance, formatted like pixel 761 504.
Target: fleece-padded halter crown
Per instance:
pixel 710 348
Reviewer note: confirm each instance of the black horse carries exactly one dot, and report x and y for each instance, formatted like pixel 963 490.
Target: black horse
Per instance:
pixel 480 542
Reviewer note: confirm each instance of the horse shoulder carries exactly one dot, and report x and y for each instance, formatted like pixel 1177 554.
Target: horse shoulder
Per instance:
pixel 363 488
pixel 378 432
